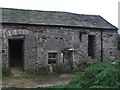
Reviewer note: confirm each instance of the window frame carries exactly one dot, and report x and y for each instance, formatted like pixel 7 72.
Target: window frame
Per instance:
pixel 52 57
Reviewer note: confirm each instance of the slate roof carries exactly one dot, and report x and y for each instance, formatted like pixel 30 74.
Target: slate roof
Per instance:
pixel 53 18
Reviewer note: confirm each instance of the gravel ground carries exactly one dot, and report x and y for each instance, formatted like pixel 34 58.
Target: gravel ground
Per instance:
pixel 21 79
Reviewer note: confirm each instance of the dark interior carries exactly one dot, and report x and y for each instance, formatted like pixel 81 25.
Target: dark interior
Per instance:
pixel 16 52
pixel 91 46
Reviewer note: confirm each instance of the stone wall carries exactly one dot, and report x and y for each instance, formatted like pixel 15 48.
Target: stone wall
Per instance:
pixel 110 46
pixel 40 40
pixel 0 50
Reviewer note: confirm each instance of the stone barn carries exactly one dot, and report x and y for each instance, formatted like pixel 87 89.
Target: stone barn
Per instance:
pixel 33 39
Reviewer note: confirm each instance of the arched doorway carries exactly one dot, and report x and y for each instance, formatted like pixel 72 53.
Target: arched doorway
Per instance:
pixel 21 48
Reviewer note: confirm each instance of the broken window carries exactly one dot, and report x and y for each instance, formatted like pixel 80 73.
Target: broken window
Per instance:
pixel 52 58
pixel 91 46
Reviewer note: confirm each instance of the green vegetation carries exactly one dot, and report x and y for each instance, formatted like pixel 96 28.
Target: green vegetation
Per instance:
pixel 6 72
pixel 97 75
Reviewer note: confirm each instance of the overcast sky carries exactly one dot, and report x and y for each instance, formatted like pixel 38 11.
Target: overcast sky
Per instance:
pixel 108 9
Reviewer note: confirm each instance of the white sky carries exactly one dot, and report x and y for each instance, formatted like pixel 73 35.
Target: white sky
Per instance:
pixel 108 9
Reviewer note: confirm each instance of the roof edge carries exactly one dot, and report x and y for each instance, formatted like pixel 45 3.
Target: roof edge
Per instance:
pixel 61 26
pixel 48 11
pixel 108 22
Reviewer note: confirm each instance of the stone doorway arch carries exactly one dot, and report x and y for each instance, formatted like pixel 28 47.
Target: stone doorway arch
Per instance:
pixel 27 39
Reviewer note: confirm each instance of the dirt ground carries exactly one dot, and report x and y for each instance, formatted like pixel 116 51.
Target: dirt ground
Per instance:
pixel 22 79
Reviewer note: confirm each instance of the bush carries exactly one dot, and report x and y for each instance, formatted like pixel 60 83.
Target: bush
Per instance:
pixel 6 72
pixel 117 64
pixel 109 77
pixel 97 75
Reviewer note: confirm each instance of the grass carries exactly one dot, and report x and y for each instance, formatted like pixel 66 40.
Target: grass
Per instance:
pixel 96 75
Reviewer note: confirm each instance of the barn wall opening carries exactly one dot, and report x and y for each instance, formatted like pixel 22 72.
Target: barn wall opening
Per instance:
pixel 68 58
pixel 16 53
pixel 91 46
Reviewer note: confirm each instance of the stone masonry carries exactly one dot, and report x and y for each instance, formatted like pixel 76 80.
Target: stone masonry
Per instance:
pixel 69 42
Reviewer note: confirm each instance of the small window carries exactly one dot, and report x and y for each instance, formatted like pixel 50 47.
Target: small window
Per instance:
pixel 80 37
pixel 52 57
pixel 4 51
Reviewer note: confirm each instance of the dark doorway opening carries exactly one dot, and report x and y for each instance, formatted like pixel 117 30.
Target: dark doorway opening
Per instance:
pixel 16 53
pixel 68 58
pixel 91 46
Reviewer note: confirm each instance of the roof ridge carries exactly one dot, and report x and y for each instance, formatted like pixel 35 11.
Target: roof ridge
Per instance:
pixel 49 11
